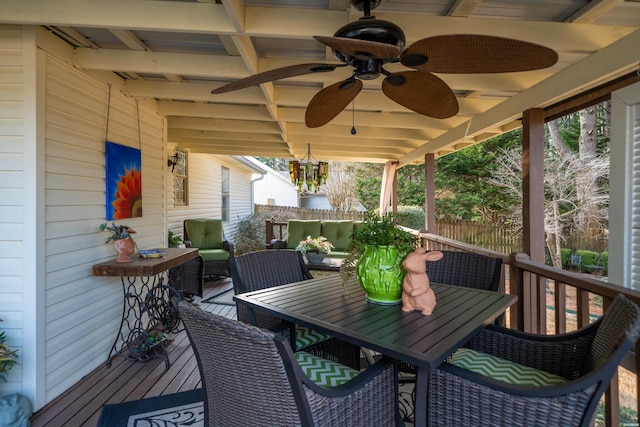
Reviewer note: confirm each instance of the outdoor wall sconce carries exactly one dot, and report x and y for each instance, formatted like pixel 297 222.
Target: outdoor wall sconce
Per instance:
pixel 173 161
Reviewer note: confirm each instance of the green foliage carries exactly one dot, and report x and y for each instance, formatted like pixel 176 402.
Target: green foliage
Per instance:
pixel 628 416
pixel 461 179
pixel 368 181
pixel 411 217
pixel 251 232
pixel 7 357
pixel 375 230
pixel 410 185
pixel 117 231
pixel 588 258
pixel 174 240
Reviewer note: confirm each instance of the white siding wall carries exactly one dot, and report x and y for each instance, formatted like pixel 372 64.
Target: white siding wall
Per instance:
pixel 205 192
pixel 274 187
pixel 82 311
pixel 11 198
pixel 62 319
pixel 624 181
pixel 241 204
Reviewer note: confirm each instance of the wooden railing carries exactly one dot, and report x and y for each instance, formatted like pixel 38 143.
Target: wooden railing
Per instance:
pixel 554 301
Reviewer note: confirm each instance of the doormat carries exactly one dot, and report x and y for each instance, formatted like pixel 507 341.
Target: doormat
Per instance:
pixel 186 409
pixel 180 410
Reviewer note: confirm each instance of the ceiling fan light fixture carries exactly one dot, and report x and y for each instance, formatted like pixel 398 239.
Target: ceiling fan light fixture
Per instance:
pixel 368 70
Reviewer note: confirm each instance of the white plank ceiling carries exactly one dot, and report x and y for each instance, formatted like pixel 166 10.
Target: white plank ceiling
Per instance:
pixel 178 51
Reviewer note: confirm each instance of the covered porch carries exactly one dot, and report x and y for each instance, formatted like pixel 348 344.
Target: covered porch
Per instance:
pixel 151 67
pixel 550 301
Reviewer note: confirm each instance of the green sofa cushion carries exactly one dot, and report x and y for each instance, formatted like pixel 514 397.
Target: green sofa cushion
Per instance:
pixel 338 233
pixel 205 233
pixel 503 370
pixel 324 372
pixel 214 254
pixel 298 230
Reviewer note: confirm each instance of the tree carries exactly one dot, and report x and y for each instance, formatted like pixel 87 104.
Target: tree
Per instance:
pixel 368 182
pixel 463 189
pixel 576 173
pixel 340 187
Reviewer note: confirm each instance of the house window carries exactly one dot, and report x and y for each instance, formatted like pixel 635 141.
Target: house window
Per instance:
pixel 181 180
pixel 225 194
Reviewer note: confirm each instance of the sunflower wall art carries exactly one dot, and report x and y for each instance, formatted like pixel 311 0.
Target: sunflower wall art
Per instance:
pixel 124 181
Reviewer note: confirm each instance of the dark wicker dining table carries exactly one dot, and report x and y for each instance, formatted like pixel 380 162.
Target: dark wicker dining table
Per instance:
pixel 424 341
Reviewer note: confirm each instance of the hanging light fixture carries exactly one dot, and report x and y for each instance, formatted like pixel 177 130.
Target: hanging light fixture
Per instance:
pixel 308 174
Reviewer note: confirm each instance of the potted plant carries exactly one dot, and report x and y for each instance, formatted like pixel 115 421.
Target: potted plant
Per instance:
pixel 375 256
pixel 15 409
pixel 315 248
pixel 120 235
pixel 174 240
pixel 7 357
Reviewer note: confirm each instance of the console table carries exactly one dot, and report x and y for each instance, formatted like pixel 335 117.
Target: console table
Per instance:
pixel 148 313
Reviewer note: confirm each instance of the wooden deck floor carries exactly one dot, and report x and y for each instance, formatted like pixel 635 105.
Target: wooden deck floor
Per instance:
pixel 125 380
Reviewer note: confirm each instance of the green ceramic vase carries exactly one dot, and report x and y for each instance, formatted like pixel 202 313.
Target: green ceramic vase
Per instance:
pixel 380 273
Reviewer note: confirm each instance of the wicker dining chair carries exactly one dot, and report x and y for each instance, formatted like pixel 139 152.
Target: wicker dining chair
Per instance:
pixel 466 269
pixel 583 361
pixel 187 278
pixel 251 377
pixel 263 269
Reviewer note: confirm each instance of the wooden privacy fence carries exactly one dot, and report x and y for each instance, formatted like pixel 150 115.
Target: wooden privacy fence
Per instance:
pixel 306 213
pixel 497 238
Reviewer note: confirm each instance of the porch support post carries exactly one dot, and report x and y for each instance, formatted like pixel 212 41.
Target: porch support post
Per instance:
pixel 430 192
pixel 533 213
pixel 394 192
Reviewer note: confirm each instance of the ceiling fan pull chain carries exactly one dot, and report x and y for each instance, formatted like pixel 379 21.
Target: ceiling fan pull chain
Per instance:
pixel 353 117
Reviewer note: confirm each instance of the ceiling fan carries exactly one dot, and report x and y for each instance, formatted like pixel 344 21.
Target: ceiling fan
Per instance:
pixel 369 43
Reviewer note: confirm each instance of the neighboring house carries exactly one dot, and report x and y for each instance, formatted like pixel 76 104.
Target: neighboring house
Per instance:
pixel 53 126
pixel 273 188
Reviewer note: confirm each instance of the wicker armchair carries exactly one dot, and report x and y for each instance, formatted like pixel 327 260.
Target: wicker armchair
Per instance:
pixel 208 236
pixel 251 377
pixel 187 277
pixel 263 269
pixel 587 359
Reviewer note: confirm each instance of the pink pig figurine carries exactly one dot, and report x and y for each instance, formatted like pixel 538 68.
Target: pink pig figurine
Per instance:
pixel 416 292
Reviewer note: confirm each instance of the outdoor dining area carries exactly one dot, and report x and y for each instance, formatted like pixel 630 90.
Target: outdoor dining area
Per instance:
pixel 277 342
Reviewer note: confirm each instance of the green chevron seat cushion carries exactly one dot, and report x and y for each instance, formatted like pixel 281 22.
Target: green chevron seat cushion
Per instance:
pixel 503 370
pixel 324 372
pixel 306 337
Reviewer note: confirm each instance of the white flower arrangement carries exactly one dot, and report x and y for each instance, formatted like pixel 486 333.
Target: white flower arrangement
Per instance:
pixel 319 244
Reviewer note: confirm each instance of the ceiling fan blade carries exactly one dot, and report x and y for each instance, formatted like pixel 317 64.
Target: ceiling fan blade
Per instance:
pixel 423 93
pixel 330 101
pixel 275 74
pixel 476 53
pixel 361 49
